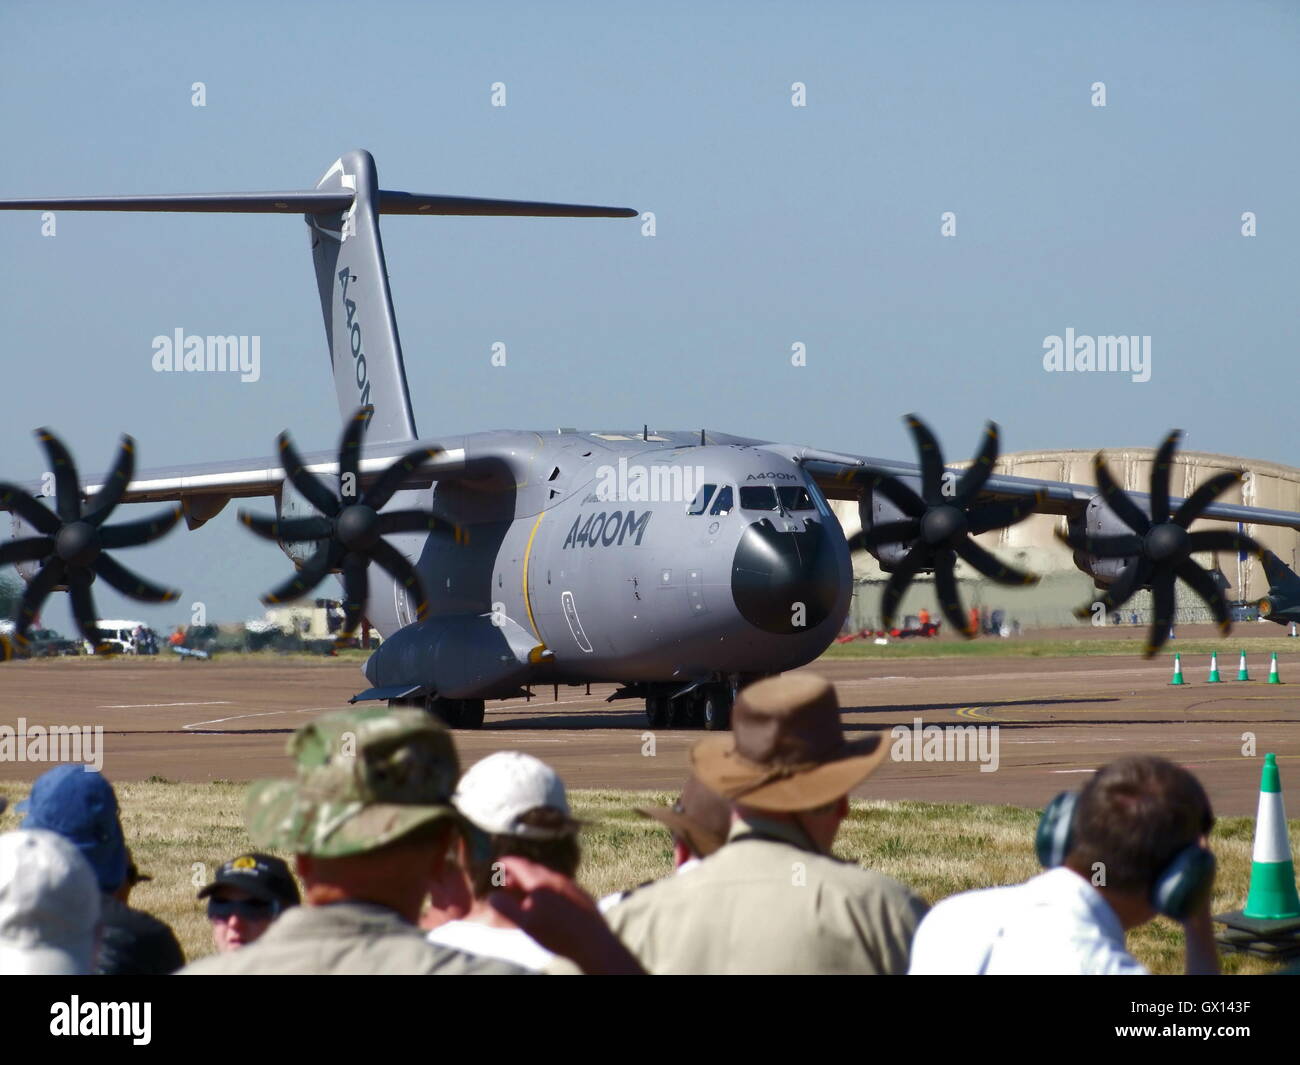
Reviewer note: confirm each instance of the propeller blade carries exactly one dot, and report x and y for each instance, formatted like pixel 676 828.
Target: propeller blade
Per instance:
pixel 1122 546
pixel 897 493
pixel 391 479
pixel 992 516
pixel 67 488
pixel 1117 499
pixel 135 533
pixel 410 521
pixel 990 565
pixel 350 455
pixel 978 472
pixel 945 587
pixel 31 550
pixel 889 532
pixel 50 575
pixel 1200 581
pixel 110 495
pixel 311 487
pixel 1119 592
pixel 931 461
pixel 83 610
pixel 293 530
pixel 897 585
pixel 1205 494
pixel 38 517
pixel 1160 478
pixel 312 573
pixel 356 590
pixel 400 569
pixel 1162 590
pixel 131 584
pixel 1217 540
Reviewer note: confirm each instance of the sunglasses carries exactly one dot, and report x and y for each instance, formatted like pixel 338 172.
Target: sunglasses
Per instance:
pixel 248 909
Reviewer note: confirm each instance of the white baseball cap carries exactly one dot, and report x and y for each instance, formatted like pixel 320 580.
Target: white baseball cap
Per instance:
pixel 497 792
pixel 49 906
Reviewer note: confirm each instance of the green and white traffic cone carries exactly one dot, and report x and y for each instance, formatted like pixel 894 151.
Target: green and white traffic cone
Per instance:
pixel 1242 672
pixel 1273 678
pixel 1272 894
pixel 1214 677
pixel 1178 670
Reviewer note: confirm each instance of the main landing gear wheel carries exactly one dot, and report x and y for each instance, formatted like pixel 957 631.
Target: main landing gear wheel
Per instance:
pixel 470 713
pixel 715 708
pixel 656 710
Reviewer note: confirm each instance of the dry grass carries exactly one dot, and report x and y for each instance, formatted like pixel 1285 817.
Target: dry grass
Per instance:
pixel 180 833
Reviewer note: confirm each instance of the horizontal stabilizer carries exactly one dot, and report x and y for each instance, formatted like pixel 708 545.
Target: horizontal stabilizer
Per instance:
pixel 310 202
pixel 315 201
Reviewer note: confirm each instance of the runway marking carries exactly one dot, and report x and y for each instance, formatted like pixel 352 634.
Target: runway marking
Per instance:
pixel 1074 770
pixel 198 725
pixel 149 706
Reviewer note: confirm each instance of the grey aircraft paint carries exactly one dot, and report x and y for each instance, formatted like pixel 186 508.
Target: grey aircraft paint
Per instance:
pixel 742 571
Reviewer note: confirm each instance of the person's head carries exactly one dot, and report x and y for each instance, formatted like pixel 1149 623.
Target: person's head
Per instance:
pixel 787 758
pixel 79 804
pixel 246 895
pixel 1132 818
pixel 49 906
pixel 699 821
pixel 369 816
pixel 515 805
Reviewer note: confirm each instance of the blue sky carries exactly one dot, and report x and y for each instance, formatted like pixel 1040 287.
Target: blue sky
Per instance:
pixel 775 225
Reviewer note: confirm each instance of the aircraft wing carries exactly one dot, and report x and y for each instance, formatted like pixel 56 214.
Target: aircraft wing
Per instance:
pixel 203 489
pixel 847 477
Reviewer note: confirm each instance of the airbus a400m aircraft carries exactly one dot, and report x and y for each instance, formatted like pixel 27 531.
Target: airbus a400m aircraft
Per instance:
pixel 677 564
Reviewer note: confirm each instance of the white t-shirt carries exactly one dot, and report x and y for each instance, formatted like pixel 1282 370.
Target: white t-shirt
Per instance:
pixel 508 944
pixel 1054 924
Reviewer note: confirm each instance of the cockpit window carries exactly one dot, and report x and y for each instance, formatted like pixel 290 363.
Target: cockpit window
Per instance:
pixel 702 498
pixel 722 502
pixel 758 497
pixel 794 497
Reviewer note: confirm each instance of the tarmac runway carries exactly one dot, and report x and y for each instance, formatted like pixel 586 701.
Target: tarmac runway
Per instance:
pixel 1057 719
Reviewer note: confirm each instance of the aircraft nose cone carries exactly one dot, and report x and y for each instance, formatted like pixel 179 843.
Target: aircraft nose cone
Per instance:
pixel 784 582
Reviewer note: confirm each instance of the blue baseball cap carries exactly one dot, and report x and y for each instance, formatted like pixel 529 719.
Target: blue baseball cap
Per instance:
pixel 80 806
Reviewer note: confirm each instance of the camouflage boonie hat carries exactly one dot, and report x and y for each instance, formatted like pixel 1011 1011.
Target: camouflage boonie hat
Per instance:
pixel 366 777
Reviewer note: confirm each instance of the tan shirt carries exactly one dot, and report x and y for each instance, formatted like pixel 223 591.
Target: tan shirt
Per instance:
pixel 345 938
pixel 768 903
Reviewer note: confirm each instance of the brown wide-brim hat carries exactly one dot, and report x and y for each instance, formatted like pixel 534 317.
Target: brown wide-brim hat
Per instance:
pixel 700 817
pixel 787 749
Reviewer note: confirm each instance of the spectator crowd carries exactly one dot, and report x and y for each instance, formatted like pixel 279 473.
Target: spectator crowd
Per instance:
pixel 408 866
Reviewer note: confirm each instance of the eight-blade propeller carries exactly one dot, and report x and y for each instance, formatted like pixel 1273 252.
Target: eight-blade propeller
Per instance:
pixel 351 529
pixel 1160 546
pixel 73 542
pixel 940 524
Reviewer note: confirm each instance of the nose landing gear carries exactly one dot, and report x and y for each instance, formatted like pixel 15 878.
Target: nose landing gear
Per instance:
pixel 454 713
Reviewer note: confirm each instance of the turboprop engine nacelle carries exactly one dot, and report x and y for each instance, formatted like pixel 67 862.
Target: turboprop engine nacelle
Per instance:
pixel 875 509
pixel 1099 520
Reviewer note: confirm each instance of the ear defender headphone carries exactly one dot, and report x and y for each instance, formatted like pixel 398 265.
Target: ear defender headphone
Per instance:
pixel 1178 886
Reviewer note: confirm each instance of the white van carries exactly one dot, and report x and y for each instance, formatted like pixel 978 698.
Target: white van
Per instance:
pixel 119 633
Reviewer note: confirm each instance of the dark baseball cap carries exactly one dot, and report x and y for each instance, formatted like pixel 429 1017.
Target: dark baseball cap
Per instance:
pixel 261 875
pixel 79 804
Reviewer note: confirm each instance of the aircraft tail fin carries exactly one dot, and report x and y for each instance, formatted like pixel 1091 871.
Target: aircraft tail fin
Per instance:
pixel 1280 576
pixel 342 213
